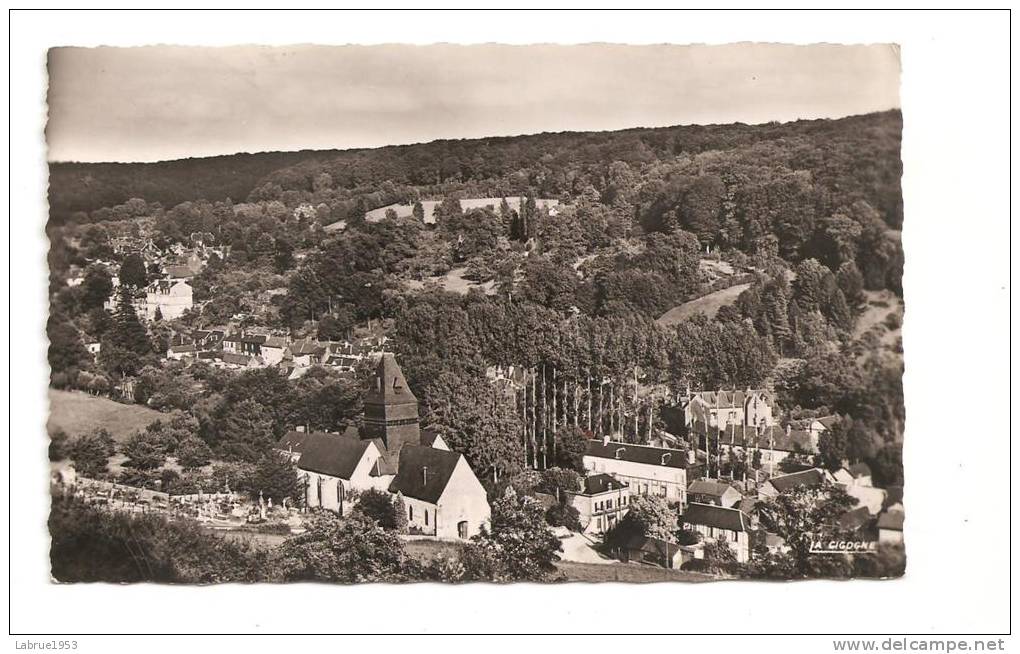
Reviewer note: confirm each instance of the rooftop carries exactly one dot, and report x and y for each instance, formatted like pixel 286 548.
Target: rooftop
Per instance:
pixel 657 456
pixel 719 517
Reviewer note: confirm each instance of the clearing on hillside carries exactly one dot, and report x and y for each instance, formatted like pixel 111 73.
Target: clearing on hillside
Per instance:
pixel 706 304
pixel 79 413
pixel 455 282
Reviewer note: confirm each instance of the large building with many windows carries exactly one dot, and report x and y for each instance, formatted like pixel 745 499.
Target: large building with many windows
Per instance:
pixel 646 470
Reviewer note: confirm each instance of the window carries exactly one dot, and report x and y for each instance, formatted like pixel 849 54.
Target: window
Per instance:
pixel 410 512
pixel 426 517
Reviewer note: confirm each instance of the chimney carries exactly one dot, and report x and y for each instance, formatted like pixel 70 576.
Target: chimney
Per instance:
pixel 424 475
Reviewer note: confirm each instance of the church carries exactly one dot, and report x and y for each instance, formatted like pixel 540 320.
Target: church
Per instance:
pixel 389 452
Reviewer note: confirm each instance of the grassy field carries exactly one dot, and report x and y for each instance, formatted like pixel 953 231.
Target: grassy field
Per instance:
pixel 625 572
pixel 78 413
pixel 882 315
pixel 706 304
pixel 455 282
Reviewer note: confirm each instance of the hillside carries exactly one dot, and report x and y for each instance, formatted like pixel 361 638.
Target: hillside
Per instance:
pixel 862 152
pixel 79 413
pixel 90 186
pixel 708 305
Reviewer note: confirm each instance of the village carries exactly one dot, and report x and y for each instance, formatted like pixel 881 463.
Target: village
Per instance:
pixel 697 465
pixel 654 398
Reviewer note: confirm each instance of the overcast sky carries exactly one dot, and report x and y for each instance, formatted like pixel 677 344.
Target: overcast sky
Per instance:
pixel 155 103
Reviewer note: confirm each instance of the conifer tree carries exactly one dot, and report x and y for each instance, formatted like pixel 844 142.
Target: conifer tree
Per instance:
pixel 127 332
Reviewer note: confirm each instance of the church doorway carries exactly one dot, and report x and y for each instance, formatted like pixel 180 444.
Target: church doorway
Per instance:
pixel 462 529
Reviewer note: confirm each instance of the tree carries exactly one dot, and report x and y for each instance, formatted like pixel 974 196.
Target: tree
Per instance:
pixel 66 351
pixel 353 549
pixel 90 544
pixel 276 478
pixel 144 450
pixel 418 211
pixel 518 546
pixel 283 257
pixel 563 515
pixel 91 453
pixel 834 445
pixel 127 332
pixel 337 325
pixel 95 288
pixel 571 444
pixel 477 422
pixel 804 514
pixel 559 481
pixel 382 508
pixel 132 272
pixel 245 430
pixel 647 515
pixel 447 209
pixel 193 453
pixel 59 445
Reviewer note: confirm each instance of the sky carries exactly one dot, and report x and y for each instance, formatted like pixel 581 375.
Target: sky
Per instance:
pixel 167 102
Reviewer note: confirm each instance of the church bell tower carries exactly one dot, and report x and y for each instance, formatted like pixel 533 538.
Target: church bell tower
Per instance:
pixel 391 409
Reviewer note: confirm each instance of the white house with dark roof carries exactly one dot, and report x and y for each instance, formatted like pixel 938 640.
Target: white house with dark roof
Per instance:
pixel 390 453
pixel 811 478
pixel 720 524
pixel 710 491
pixel 601 503
pixel 646 470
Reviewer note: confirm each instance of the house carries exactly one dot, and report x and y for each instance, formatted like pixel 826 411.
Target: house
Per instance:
pixel 773 443
pixel 709 491
pixel 654 551
pixel 305 352
pixel 390 453
pixel 601 503
pixel 720 524
pixel 208 339
pixel 783 483
pixel 273 348
pixel 236 361
pixel 751 408
pixel 855 519
pixel 466 204
pixel 232 343
pixel 861 473
pixel 843 476
pixel 168 299
pixel 890 526
pixel 180 352
pixel 646 470
pixel 177 273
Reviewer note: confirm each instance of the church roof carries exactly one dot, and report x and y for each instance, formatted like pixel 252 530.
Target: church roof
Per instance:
pixel 336 455
pixel 424 472
pixel 389 385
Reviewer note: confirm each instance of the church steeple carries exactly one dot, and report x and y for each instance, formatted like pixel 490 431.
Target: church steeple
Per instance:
pixel 391 409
